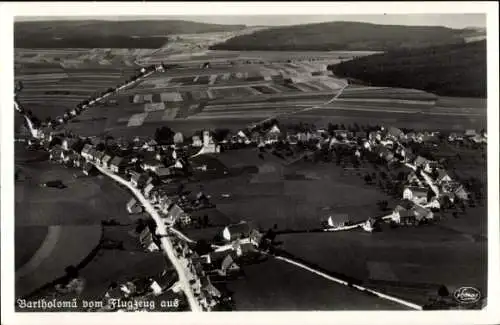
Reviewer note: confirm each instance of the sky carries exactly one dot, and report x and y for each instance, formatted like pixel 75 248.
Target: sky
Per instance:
pixel 447 20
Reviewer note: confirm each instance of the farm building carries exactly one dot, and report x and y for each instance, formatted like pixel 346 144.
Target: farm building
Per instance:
pixel 433 204
pixel 237 231
pixel 461 193
pixel 442 176
pixel 209 145
pixel 134 207
pixel 147 241
pixel 420 161
pixel 228 265
pixel 413 179
pixel 56 153
pixel 178 138
pixel 197 141
pixel 430 165
pixel 118 164
pixel 86 151
pixel 148 189
pixel 415 194
pixel 337 220
pixel 139 179
pixel 394 133
pixel 106 160
pixel 421 213
pixel 68 143
pixel 152 165
pixel 174 213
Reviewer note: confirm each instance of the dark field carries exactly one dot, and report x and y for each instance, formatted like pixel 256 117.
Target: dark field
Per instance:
pixel 27 240
pixel 277 286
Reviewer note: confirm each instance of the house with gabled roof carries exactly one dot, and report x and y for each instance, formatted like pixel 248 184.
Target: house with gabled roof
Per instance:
pixel 99 155
pixel 133 206
pixel 421 213
pixel 118 164
pixel 461 193
pixel 442 176
pixel 106 160
pixel 241 230
pixel 413 179
pixel 174 213
pixel 337 220
pixel 148 189
pixel 420 161
pixel 394 133
pixel 139 179
pixel 68 143
pixel 86 151
pixel 56 153
pixel 430 165
pixel 415 194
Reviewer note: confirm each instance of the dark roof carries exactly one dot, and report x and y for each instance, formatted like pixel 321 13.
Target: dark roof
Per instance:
pixel 107 158
pixel 442 173
pixel 175 211
pixel 406 213
pixel 99 154
pixel 419 191
pixel 132 202
pixel 118 161
pixel 241 228
pixel 420 160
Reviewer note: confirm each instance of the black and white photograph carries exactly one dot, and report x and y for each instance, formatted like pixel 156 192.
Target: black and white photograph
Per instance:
pixel 250 162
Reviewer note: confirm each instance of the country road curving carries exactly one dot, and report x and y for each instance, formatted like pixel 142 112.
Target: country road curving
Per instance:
pixel 165 241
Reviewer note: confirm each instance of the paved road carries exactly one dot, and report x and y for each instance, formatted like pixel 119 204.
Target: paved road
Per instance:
pixel 165 241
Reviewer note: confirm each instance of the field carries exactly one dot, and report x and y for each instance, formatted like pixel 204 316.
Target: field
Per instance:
pixel 276 286
pixel 234 95
pixel 295 197
pixel 410 263
pixel 56 228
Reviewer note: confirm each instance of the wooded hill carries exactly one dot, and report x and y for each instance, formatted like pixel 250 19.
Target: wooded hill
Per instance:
pixel 450 70
pixel 345 36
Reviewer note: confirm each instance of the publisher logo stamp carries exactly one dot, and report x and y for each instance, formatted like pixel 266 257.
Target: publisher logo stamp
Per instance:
pixel 467 295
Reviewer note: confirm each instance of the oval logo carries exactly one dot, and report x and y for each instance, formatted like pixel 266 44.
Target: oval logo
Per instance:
pixel 467 295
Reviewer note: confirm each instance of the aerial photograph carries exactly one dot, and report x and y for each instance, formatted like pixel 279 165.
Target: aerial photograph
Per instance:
pixel 250 163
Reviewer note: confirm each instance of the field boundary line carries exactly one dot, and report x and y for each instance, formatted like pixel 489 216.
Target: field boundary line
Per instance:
pixel 43 252
pixel 355 286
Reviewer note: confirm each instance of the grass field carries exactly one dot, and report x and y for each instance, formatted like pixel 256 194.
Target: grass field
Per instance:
pixel 268 196
pixel 73 217
pixel 402 257
pixel 276 286
pixel 27 240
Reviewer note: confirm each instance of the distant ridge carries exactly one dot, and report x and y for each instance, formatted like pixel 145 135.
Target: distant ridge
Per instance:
pixel 98 33
pixel 344 35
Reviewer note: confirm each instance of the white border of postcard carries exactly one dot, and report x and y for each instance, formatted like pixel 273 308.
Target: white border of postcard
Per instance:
pixel 489 315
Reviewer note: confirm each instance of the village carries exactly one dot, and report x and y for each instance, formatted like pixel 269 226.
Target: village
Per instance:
pixel 155 167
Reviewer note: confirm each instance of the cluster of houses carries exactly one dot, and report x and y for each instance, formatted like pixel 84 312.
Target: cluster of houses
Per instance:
pixel 427 186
